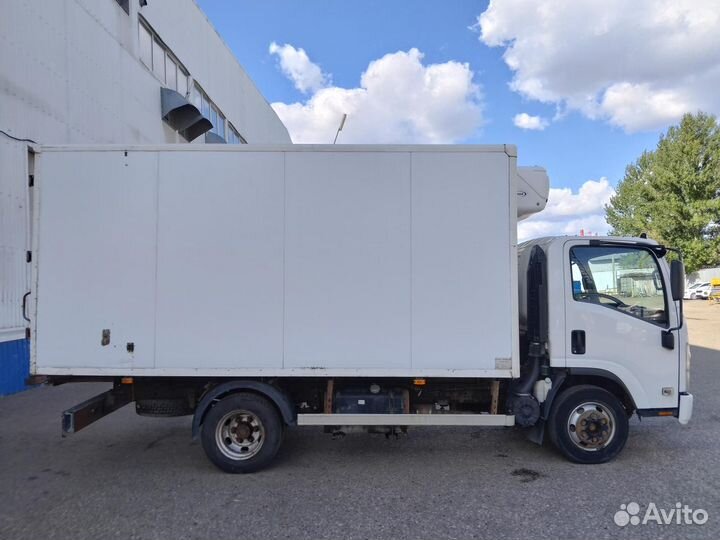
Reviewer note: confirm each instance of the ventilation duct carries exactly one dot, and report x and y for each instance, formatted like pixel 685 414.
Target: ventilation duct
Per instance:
pixel 182 115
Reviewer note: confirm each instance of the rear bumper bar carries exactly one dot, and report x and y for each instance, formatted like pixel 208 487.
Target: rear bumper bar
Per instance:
pixel 92 410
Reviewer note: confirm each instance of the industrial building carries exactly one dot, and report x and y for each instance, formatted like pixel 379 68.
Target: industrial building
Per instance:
pixel 105 71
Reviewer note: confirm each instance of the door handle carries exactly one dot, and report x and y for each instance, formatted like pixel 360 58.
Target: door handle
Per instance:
pixel 577 341
pixel 24 305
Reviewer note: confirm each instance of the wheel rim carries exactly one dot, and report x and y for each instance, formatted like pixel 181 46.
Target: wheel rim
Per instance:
pixel 240 435
pixel 591 426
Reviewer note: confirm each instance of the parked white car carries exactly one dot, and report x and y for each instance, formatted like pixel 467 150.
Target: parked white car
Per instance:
pixel 700 291
pixel 690 291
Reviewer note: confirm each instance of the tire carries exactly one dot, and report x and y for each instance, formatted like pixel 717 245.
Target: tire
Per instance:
pixel 242 433
pixel 605 430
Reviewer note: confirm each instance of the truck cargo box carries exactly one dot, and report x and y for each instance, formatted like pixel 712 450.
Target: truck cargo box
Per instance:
pixel 198 260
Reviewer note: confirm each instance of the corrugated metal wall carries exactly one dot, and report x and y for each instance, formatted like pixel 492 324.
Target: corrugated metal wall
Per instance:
pixel 14 366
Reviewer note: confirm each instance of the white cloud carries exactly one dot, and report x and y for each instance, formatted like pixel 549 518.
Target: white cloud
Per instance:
pixel 639 65
pixel 296 65
pixel 399 100
pixel 526 121
pixel 568 213
pixel 641 107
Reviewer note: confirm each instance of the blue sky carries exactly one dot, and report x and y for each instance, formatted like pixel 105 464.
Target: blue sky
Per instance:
pixel 556 67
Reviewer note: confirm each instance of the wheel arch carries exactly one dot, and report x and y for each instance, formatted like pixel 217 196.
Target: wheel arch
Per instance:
pixel 592 376
pixel 275 395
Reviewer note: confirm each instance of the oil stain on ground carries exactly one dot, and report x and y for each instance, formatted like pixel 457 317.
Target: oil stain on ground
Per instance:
pixel 526 475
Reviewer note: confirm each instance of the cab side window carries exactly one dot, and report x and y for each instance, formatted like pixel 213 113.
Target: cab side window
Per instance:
pixel 625 279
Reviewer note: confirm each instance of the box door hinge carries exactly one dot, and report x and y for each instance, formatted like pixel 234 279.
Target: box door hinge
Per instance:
pixel 28 256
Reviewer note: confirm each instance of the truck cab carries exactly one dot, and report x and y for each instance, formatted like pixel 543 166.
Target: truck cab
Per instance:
pixel 614 321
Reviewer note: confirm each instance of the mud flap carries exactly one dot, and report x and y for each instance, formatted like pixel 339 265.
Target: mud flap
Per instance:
pixel 536 433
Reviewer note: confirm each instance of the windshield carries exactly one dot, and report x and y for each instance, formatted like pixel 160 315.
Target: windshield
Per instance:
pixel 625 279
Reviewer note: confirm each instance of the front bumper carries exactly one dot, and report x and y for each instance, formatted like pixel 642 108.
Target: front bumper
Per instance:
pixel 686 408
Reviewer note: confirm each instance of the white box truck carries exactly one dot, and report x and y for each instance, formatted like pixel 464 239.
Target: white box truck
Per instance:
pixel 351 287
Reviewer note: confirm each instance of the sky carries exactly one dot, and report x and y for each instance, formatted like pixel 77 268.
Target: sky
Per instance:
pixel 582 88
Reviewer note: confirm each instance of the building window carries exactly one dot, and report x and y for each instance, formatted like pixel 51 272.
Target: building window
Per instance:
pixel 205 110
pixel 182 82
pixel 157 58
pixel 196 97
pixel 125 4
pixel 214 118
pixel 210 111
pixel 170 73
pixel 146 42
pixel 233 136
pixel 221 126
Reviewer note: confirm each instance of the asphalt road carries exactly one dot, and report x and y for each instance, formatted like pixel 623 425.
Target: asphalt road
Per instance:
pixel 133 477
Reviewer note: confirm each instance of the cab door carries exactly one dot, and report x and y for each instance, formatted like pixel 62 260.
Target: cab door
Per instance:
pixel 618 305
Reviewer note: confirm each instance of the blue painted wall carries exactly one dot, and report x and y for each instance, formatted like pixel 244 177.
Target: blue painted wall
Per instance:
pixel 14 366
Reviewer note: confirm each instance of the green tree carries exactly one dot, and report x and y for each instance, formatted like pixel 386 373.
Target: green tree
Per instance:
pixel 673 192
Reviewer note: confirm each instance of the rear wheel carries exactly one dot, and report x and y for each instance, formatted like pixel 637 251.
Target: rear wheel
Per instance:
pixel 242 433
pixel 588 424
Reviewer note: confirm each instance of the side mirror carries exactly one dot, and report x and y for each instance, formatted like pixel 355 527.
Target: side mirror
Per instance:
pixel 677 280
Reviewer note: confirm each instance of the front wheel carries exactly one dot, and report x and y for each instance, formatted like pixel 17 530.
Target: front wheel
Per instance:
pixel 242 433
pixel 588 424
